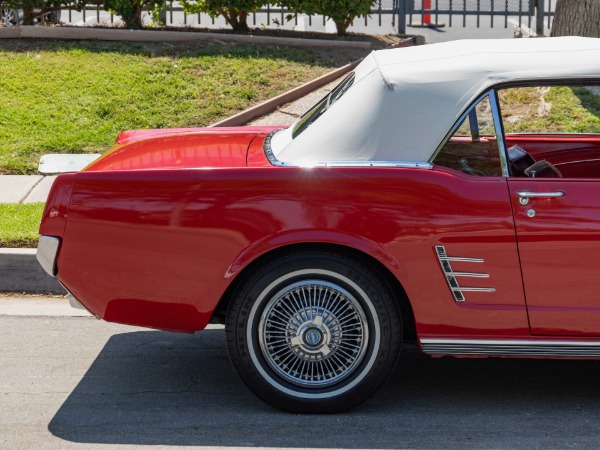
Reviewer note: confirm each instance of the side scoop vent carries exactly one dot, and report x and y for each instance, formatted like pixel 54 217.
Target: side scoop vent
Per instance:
pixel 451 276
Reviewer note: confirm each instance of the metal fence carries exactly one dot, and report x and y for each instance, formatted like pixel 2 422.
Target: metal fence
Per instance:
pixel 397 14
pixel 429 11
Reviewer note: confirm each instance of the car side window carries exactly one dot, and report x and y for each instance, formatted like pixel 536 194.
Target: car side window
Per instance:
pixel 473 147
pixel 557 128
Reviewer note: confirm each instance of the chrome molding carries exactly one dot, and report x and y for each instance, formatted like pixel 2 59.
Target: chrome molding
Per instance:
pixel 507 347
pixel 495 105
pixel 398 164
pixel 451 275
pixel 47 250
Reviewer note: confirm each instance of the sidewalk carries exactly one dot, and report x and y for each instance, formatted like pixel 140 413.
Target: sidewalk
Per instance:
pixel 25 188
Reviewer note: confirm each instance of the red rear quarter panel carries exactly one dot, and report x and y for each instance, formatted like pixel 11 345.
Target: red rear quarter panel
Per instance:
pixel 179 148
pixel 159 248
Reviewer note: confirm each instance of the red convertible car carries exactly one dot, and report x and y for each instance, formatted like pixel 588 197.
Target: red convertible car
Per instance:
pixel 446 195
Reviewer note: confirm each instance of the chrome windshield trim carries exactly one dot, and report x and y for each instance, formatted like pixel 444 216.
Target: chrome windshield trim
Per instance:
pixel 47 251
pixel 399 164
pixel 495 105
pixel 508 347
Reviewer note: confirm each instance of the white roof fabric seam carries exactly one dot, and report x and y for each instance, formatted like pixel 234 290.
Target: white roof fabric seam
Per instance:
pixel 380 70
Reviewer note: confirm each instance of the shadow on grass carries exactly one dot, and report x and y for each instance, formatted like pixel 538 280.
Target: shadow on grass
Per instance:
pixel 155 388
pixel 312 56
pixel 590 100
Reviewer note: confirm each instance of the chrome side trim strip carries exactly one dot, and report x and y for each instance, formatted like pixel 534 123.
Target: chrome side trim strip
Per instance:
pixel 398 164
pixel 501 347
pixel 47 250
pixel 469 274
pixel 457 258
pixel 473 289
pixel 456 289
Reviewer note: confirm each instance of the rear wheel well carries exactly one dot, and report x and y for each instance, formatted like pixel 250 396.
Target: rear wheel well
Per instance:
pixel 408 319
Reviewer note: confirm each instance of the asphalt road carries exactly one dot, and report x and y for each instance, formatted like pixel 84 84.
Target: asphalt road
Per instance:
pixel 76 382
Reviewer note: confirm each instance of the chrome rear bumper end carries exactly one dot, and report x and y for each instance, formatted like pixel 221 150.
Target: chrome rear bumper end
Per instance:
pixel 47 251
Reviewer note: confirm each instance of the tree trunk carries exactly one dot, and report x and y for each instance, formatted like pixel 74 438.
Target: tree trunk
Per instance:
pixel 236 18
pixel 576 18
pixel 135 20
pixel 342 27
pixel 28 15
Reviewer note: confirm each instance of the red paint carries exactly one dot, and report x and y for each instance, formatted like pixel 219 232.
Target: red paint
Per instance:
pixel 172 237
pixel 160 247
pixel 55 214
pixel 560 255
pixel 170 149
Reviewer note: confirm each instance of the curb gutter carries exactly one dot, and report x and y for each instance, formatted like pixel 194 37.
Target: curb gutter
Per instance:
pixel 115 34
pixel 20 272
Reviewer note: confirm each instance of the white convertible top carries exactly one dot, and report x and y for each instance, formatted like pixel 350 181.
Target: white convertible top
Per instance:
pixel 404 101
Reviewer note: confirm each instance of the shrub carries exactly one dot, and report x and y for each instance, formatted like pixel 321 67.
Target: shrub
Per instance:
pixel 342 12
pixel 235 12
pixel 130 11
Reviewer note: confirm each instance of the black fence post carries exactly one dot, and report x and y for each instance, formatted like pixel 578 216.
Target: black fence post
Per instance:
pixel 539 17
pixel 401 6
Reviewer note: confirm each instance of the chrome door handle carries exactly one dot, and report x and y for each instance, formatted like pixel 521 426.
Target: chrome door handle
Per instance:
pixel 524 196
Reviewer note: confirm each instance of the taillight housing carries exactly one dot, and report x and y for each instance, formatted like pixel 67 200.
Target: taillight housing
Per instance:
pixel 54 218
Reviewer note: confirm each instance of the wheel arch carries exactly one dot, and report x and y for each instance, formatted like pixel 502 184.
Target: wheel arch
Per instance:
pixel 408 319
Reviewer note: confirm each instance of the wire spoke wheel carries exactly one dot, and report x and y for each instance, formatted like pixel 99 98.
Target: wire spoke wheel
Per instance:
pixel 313 333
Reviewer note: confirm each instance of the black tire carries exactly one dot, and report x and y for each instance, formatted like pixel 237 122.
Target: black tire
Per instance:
pixel 314 332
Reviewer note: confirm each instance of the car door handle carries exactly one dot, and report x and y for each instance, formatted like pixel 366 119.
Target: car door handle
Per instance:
pixel 524 196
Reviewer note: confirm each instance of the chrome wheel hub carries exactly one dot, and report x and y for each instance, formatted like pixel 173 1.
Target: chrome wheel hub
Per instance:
pixel 313 333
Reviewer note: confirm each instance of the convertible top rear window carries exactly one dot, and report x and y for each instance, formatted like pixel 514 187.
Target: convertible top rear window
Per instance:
pixel 316 111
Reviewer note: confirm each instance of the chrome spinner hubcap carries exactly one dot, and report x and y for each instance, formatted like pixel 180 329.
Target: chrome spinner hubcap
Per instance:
pixel 313 333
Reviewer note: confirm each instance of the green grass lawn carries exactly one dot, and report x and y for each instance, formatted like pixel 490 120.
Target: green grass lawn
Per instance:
pixel 75 97
pixel 19 224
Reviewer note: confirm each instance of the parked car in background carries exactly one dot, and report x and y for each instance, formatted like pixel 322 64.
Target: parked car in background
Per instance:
pixel 446 194
pixel 10 17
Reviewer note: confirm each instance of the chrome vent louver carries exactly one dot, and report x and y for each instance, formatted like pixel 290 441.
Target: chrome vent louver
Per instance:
pixel 456 289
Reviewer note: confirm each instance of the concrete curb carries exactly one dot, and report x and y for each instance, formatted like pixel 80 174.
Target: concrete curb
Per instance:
pixel 287 97
pixel 20 272
pixel 118 34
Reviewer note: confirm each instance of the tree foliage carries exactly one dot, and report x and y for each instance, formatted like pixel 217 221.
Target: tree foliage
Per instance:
pixel 342 12
pixel 235 12
pixel 130 11
pixel 576 18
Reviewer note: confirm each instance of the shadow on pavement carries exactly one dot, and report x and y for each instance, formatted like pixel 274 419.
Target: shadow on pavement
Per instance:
pixel 157 388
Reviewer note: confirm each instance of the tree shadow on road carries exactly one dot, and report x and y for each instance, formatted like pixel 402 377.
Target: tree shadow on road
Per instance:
pixel 156 388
